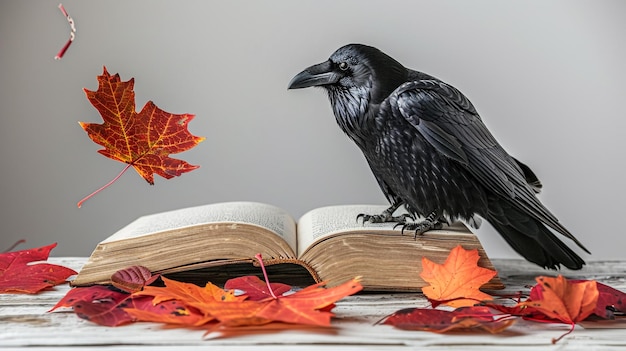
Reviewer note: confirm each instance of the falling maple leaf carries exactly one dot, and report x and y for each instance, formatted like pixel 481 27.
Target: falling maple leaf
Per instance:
pixel 440 321
pixel 19 275
pixel 456 282
pixel 142 140
pixel 563 301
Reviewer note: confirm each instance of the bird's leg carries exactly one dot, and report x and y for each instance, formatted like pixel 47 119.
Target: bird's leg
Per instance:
pixel 432 221
pixel 386 216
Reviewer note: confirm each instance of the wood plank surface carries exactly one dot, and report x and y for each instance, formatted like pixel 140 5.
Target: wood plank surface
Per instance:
pixel 25 322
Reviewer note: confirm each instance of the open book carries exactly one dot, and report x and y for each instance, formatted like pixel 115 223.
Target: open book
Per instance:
pixel 218 241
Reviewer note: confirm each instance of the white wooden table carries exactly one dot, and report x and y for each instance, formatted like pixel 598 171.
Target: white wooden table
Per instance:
pixel 24 322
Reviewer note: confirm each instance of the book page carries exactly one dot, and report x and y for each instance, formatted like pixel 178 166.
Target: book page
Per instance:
pixel 264 215
pixel 325 221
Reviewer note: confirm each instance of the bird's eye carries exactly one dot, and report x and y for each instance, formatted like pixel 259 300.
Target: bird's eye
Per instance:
pixel 343 66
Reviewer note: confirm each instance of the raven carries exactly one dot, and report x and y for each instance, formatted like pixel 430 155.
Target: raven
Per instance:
pixel 431 153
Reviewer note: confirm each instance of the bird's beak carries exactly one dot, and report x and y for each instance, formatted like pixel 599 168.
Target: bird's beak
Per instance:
pixel 316 75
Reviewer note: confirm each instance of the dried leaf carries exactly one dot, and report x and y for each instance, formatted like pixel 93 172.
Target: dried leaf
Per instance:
pixel 133 278
pixel 18 275
pixel 475 318
pixel 456 282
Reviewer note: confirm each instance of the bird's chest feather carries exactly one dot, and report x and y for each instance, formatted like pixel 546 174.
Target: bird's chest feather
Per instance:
pixel 423 177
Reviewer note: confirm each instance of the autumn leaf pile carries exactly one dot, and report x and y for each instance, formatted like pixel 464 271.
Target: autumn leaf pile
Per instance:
pixel 186 304
pixel 456 283
pixel 453 290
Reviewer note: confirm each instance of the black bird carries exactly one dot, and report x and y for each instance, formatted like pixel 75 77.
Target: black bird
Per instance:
pixel 431 153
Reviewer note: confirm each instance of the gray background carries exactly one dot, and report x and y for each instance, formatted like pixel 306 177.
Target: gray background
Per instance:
pixel 546 77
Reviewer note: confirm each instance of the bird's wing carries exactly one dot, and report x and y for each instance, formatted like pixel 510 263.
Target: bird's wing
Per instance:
pixel 447 119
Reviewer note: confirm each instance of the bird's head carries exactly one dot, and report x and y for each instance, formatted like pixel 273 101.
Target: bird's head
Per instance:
pixel 354 68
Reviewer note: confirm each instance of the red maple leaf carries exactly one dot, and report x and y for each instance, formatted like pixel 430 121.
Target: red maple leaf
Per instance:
pixel 440 321
pixel 97 304
pixel 456 282
pixel 142 140
pixel 106 306
pixel 610 300
pixel 18 275
pixel 254 288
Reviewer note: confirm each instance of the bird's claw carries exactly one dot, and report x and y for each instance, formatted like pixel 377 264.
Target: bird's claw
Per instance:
pixel 432 221
pixel 385 217
pixel 419 228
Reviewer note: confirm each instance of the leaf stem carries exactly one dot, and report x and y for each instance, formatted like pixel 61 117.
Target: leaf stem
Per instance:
pixel 571 329
pixel 267 280
pixel 80 203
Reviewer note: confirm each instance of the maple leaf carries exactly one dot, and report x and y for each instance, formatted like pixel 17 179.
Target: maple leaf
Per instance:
pixel 97 303
pixel 189 293
pixel 142 140
pixel 609 300
pixel 563 301
pixel 308 306
pixel 439 321
pixel 104 305
pixel 191 298
pixel 142 308
pixel 18 275
pixel 255 288
pixel 456 282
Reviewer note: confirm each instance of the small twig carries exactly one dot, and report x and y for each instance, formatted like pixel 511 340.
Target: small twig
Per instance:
pixel 72 33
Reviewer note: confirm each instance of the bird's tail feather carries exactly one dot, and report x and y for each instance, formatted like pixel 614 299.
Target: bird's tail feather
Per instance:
pixel 532 239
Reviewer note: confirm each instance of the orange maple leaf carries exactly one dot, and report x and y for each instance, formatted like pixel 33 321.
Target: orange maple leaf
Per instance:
pixel 456 282
pixel 308 306
pixel 186 294
pixel 143 140
pixel 190 293
pixel 562 300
